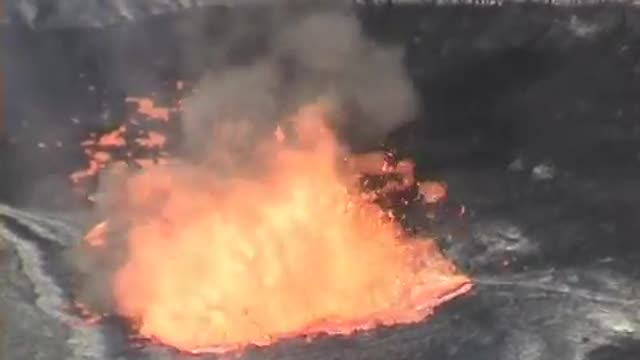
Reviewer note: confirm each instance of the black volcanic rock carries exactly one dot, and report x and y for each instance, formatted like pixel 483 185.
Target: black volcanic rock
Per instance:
pixel 530 114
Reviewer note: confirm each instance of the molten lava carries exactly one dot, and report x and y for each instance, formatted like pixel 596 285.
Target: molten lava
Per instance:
pixel 217 262
pixel 112 147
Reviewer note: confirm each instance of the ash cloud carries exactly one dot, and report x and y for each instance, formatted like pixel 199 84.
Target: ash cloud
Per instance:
pixel 308 54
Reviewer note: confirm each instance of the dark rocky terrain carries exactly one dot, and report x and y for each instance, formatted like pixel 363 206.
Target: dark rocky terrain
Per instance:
pixel 531 115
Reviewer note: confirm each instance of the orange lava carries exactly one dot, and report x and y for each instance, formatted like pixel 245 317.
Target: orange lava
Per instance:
pixel 152 140
pixel 216 263
pixel 100 149
pixel 147 107
pixel 98 153
pixel 433 191
pixel 96 236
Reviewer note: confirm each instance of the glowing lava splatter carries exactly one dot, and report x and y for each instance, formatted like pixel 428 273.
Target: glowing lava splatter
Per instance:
pixel 218 263
pixel 125 143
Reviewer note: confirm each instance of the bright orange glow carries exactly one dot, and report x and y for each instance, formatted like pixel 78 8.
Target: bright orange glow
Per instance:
pixel 97 235
pixel 100 149
pixel 433 191
pixel 216 263
pixel 152 140
pixel 97 150
pixel 147 107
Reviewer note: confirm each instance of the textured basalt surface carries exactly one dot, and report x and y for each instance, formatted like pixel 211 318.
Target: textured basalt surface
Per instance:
pixel 531 117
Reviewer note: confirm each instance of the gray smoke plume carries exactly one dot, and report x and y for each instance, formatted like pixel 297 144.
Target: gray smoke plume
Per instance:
pixel 309 54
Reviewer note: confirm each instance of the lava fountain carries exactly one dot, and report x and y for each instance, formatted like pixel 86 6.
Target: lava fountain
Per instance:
pixel 217 262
